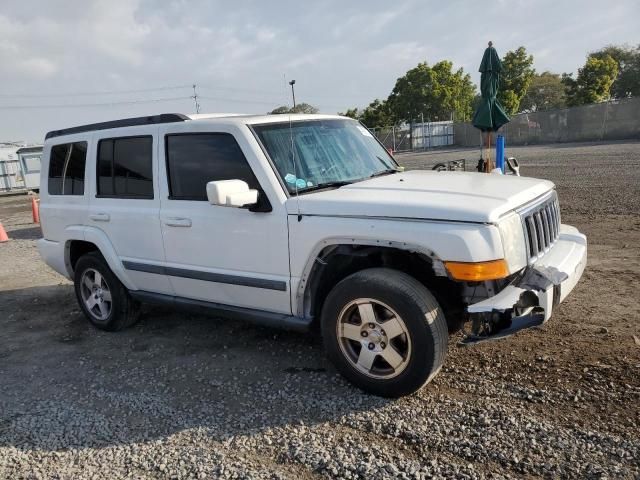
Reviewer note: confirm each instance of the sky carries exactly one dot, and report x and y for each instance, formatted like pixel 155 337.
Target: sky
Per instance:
pixel 66 63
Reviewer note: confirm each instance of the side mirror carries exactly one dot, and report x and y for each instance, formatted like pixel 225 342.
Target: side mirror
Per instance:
pixel 231 193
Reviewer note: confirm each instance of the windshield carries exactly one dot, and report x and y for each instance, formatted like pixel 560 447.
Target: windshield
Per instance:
pixel 327 153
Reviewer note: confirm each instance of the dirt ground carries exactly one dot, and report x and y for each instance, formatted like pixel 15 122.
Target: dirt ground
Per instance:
pixel 189 396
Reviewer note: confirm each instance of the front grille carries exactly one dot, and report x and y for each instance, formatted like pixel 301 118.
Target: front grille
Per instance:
pixel 542 226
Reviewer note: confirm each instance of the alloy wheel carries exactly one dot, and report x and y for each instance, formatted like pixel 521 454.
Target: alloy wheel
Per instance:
pixel 374 338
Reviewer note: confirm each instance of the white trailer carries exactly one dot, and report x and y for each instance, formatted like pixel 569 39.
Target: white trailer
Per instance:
pixel 30 165
pixel 19 167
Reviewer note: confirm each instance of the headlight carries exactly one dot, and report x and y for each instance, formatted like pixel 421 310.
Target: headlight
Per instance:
pixel 513 243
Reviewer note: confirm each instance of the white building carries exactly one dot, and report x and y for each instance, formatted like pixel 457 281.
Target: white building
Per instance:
pixel 19 166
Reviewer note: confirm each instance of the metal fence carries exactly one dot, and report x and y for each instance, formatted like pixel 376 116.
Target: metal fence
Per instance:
pixel 613 120
pixel 415 136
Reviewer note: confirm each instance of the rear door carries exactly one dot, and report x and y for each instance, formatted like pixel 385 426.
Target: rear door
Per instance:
pixel 226 255
pixel 125 203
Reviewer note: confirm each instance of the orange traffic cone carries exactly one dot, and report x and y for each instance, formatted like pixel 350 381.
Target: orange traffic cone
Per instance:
pixel 35 210
pixel 3 234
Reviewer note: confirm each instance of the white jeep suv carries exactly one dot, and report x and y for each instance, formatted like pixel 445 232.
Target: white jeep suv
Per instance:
pixel 298 220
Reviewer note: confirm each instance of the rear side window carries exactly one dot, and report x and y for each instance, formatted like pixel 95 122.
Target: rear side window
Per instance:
pixel 195 159
pixel 66 169
pixel 125 167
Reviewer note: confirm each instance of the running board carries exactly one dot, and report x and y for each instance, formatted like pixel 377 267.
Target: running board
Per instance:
pixel 267 319
pixel 517 324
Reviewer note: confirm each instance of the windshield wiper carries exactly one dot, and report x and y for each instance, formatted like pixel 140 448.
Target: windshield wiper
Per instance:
pixel 384 172
pixel 322 186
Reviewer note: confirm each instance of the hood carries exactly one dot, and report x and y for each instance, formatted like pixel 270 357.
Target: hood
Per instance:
pixel 419 194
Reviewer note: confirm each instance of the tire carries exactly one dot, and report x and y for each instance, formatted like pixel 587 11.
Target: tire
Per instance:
pixel 113 308
pixel 421 347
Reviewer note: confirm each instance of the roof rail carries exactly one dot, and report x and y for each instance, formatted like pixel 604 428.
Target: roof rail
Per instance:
pixel 125 122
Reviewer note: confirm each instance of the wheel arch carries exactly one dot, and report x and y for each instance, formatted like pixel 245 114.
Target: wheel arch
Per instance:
pixel 335 259
pixel 81 240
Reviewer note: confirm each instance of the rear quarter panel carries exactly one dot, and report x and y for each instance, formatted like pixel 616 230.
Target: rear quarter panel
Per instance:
pixel 59 212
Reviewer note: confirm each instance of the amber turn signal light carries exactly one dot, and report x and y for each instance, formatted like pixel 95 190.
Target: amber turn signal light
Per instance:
pixel 475 272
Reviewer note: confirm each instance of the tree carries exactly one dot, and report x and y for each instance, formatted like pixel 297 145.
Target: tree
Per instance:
pixel 545 92
pixel 433 92
pixel 376 114
pixel 299 108
pixel 627 82
pixel 593 82
pixel 351 113
pixel 280 110
pixel 517 74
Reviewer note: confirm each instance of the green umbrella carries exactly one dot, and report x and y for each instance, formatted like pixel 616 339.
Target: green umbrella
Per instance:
pixel 490 116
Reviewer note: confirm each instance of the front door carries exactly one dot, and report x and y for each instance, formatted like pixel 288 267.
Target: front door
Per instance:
pixel 226 255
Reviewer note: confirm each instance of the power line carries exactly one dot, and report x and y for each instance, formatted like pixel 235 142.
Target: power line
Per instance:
pixel 84 94
pixel 236 89
pixel 81 105
pixel 237 100
pixel 140 90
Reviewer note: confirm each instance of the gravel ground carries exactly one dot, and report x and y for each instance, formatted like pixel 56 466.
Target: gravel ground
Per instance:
pixel 189 396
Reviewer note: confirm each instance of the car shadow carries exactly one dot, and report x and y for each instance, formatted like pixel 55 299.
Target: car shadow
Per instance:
pixel 28 233
pixel 66 384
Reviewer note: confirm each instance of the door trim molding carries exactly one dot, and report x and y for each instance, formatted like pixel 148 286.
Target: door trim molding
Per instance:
pixel 253 282
pixel 259 317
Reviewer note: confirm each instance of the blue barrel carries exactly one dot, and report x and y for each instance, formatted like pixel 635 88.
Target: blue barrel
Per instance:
pixel 500 152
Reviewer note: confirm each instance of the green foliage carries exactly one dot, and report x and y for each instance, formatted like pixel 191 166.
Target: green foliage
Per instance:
pixel 299 108
pixel 376 114
pixel 545 92
pixel 593 83
pixel 280 110
pixel 351 113
pixel 517 74
pixel 435 92
pixel 627 82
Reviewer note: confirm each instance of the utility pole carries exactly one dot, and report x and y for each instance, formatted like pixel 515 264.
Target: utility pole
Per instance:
pixel 293 92
pixel 195 98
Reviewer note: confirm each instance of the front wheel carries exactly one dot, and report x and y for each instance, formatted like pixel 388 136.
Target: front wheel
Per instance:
pixel 384 331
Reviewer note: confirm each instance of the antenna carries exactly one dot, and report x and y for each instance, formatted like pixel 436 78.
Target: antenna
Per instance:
pixel 293 149
pixel 195 98
pixel 295 168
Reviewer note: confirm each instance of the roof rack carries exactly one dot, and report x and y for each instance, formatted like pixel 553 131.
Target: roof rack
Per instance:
pixel 125 122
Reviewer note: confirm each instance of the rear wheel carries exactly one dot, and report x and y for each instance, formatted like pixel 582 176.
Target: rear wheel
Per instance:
pixel 102 297
pixel 384 331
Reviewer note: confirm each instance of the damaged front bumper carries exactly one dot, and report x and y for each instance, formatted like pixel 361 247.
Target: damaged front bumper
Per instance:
pixel 531 298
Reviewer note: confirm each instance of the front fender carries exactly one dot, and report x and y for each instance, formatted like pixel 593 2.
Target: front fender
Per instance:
pixel 440 241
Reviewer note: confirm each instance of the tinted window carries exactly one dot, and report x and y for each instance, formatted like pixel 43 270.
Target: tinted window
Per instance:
pixel 105 168
pixel 195 159
pixel 125 167
pixel 66 169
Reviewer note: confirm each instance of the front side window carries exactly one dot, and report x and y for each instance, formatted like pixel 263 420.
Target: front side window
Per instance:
pixel 66 168
pixel 125 167
pixel 195 159
pixel 314 154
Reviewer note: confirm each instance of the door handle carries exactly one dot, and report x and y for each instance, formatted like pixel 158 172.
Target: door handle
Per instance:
pixel 100 217
pixel 178 222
